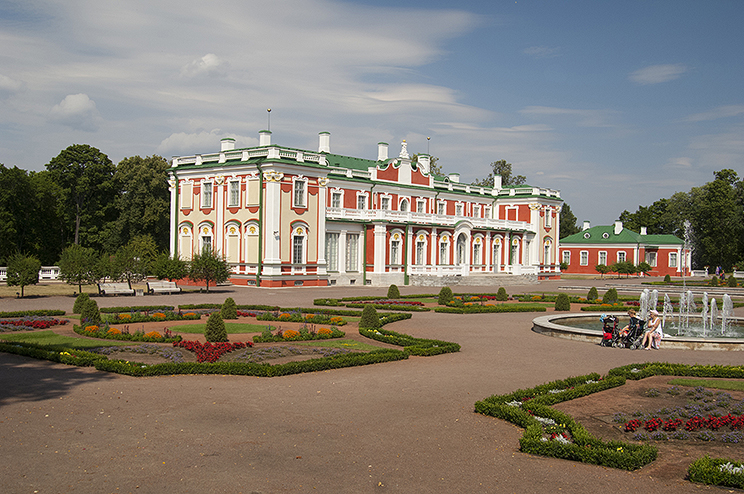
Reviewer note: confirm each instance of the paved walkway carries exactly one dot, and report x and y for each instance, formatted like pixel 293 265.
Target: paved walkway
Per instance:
pixel 405 427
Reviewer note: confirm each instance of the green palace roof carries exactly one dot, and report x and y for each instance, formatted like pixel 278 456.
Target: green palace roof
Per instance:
pixel 606 235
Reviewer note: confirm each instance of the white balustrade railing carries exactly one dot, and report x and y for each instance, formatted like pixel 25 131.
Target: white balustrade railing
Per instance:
pixel 411 217
pixel 45 273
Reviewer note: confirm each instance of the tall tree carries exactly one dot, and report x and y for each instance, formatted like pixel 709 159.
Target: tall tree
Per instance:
pixel 209 267
pixel 16 211
pixel 503 169
pixel 78 266
pixel 143 204
pixel 718 221
pixel 568 221
pixel 87 193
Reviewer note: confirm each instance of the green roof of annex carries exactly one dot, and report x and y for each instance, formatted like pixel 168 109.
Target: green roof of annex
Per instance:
pixel 606 235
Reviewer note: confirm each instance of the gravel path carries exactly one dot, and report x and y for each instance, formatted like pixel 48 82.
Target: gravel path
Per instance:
pixel 403 426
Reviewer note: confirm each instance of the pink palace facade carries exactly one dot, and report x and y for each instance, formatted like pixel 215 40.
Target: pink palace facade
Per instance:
pixel 291 217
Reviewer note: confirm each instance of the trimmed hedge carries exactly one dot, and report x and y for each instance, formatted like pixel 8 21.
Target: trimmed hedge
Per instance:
pixel 32 313
pixel 477 309
pixel 138 336
pixel 136 308
pixel 269 337
pixel 708 470
pixel 408 308
pixel 521 406
pixel 414 346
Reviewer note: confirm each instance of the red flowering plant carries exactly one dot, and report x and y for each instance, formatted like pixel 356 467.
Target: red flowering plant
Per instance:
pixel 211 352
pixel 632 425
pixel 30 322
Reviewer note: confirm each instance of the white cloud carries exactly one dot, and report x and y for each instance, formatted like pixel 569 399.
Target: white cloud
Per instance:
pixel 201 142
pixel 78 112
pixel 655 74
pixel 726 111
pixel 542 51
pixel 680 163
pixel 209 64
pixel 8 85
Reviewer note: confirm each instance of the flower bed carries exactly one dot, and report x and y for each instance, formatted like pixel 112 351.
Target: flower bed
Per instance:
pixel 29 322
pixel 296 316
pixel 210 352
pixel 717 471
pixel 304 334
pixel 158 316
pixel 479 309
pixel 105 332
pixel 38 313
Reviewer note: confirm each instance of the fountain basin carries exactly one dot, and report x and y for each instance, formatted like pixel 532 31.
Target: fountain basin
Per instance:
pixel 550 325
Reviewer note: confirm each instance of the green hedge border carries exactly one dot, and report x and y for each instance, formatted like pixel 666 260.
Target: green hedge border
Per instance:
pixel 412 346
pixel 32 313
pixel 585 447
pixel 483 309
pixel 706 471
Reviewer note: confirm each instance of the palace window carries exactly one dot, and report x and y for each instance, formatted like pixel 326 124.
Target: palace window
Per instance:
pixel 300 193
pixel 404 205
pixel 298 249
pixel 385 204
pixel 444 251
pixel 421 206
pixel 441 208
pixel 567 257
pixel 603 257
pixel 234 194
pixel 206 195
pixel 395 252
pixel 672 259
pixel 335 199
pixel 621 256
pixel 584 259
pixel 332 251
pixel 361 201
pixel 352 252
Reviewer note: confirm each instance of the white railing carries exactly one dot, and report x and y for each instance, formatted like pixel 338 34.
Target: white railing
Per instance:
pixel 411 217
pixel 45 273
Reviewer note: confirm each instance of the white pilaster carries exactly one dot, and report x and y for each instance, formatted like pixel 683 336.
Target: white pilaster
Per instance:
pixel 380 248
pixel 322 204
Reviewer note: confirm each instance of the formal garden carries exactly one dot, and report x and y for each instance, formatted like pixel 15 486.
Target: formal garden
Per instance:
pixel 263 340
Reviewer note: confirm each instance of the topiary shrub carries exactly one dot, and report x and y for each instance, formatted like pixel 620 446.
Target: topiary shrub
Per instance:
pixel 215 330
pixel 713 281
pixel 593 294
pixel 229 309
pixel 732 281
pixel 445 296
pixel 80 302
pixel 370 319
pixel 562 302
pixel 667 279
pixel 89 314
pixel 501 295
pixel 610 296
pixel 393 292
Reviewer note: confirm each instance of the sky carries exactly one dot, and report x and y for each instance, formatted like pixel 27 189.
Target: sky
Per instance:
pixel 615 104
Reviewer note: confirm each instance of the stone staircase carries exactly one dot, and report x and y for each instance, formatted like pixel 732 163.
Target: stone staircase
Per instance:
pixel 473 280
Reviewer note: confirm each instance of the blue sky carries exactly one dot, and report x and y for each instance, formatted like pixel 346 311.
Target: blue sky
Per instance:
pixel 616 104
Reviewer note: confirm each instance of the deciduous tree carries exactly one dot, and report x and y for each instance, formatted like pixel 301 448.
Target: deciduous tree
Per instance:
pixel 23 270
pixel 209 267
pixel 78 266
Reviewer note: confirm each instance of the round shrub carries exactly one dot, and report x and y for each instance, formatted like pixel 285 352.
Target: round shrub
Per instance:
pixel 610 296
pixel 229 309
pixel 80 301
pixel 393 292
pixel 445 296
pixel 593 294
pixel 90 314
pixel 501 295
pixel 562 302
pixel 667 279
pixel 215 330
pixel 713 281
pixel 732 282
pixel 370 319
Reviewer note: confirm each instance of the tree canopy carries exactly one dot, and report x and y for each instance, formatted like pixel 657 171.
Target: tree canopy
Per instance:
pixel 568 222
pixel 504 169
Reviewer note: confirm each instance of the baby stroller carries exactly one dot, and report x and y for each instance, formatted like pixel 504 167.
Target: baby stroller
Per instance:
pixel 609 328
pixel 634 338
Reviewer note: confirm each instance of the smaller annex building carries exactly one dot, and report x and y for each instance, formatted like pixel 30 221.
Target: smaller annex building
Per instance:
pixel 666 254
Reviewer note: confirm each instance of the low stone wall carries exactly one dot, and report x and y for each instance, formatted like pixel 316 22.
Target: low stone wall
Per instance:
pixel 473 280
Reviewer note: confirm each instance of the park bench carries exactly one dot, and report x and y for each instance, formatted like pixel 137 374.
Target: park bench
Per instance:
pixel 115 289
pixel 156 287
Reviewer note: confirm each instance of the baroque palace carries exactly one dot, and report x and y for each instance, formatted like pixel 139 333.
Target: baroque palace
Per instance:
pixel 291 217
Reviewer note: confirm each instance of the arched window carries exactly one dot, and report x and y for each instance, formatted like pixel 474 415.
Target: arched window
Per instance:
pixel 444 250
pixel 299 244
pixel 404 205
pixel 461 249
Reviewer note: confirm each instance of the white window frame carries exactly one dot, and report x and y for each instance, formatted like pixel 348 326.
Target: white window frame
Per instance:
pixel 337 198
pixel 441 208
pixel 567 257
pixel 385 202
pixel 584 258
pixel 459 209
pixel 487 212
pixel 299 232
pixel 421 205
pixel 332 239
pixel 476 211
pixel 363 202
pixel 299 192
pixel 652 258
pixel 477 259
pixel 352 252
pixel 673 260
pixel 207 198
pixel 233 193
pixel 396 242
pixel 621 256
pixel 404 205
pixel 444 248
pixel 548 219
pixel 602 254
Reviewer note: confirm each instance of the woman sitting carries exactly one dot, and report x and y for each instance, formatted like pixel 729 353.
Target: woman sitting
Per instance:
pixel 653 336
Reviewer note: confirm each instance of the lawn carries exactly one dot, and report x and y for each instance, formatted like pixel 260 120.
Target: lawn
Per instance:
pixel 343 343
pixel 52 340
pixel 709 383
pixel 231 327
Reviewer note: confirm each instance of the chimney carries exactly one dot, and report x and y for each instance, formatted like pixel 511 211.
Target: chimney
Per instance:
pixel 227 144
pixel 324 145
pixel 586 226
pixel 454 177
pixel 424 161
pixel 618 227
pixel 382 151
pixel 643 230
pixel 264 138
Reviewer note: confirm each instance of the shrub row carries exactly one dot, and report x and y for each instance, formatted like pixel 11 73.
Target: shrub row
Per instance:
pixel 269 337
pixel 477 309
pixel 104 332
pixel 641 371
pixel 31 313
pixel 521 407
pixel 127 317
pixel 136 308
pixel 407 308
pixel 414 346
pixel 714 471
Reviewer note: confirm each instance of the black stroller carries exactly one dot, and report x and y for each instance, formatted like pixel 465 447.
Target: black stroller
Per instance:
pixel 609 328
pixel 634 338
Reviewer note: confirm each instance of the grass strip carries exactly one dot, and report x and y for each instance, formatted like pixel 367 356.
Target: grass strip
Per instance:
pixel 709 383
